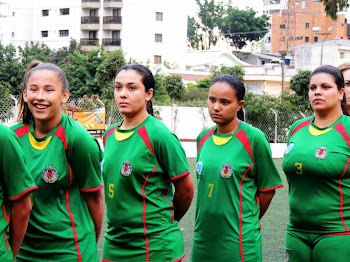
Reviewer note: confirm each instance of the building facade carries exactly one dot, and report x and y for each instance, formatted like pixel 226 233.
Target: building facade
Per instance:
pixel 150 31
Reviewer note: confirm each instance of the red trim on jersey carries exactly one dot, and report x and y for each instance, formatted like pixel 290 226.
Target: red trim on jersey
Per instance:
pixel 5 214
pixel 204 138
pixel 181 175
pixel 298 127
pixel 22 130
pixel 60 133
pixel 257 200
pixel 143 133
pixel 171 212
pixel 270 188
pixel 108 134
pixel 105 260
pixel 24 192
pixel 7 245
pixel 338 234
pixel 240 212
pixel 242 136
pixel 92 189
pixel 144 212
pixel 342 131
pixel 180 258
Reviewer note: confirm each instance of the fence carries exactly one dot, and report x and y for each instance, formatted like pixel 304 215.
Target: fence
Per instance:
pixel 185 120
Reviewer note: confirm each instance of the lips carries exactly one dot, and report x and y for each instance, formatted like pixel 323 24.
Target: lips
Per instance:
pixel 123 104
pixel 317 101
pixel 40 106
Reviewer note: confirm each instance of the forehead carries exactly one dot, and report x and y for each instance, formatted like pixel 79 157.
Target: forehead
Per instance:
pixel 322 77
pixel 43 75
pixel 128 76
pixel 346 75
pixel 222 89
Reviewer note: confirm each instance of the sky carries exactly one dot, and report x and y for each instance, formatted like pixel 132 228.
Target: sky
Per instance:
pixel 241 4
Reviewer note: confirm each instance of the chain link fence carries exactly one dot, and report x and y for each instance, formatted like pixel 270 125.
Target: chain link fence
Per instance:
pixel 274 123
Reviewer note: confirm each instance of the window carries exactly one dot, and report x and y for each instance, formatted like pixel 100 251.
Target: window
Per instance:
pixel 282 39
pixel 307 25
pixel 64 11
pixel 12 34
pixel 157 59
pixel 158 38
pixel 307 39
pixel 282 26
pixel 94 12
pixel 13 13
pixel 45 12
pixel 299 38
pixel 116 34
pixel 341 55
pixel 64 33
pixel 159 16
pixel 44 33
pixel 303 4
pixel 316 39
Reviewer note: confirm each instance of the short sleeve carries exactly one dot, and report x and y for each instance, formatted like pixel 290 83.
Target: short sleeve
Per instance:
pixel 85 156
pixel 171 156
pixel 16 177
pixel 267 176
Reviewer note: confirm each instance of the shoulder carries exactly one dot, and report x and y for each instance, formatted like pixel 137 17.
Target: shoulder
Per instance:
pixel 4 131
pixel 204 132
pixel 304 120
pixel 74 131
pixel 17 126
pixel 252 132
pixel 345 121
pixel 156 128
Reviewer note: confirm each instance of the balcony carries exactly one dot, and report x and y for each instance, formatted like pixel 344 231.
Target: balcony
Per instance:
pixel 112 23
pixel 88 44
pixel 110 44
pixel 90 4
pixel 113 4
pixel 90 23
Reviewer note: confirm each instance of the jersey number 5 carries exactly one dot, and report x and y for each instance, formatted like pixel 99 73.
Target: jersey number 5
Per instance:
pixel 111 190
pixel 299 168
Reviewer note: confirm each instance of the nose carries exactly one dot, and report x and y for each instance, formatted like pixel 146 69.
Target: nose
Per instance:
pixel 216 106
pixel 40 94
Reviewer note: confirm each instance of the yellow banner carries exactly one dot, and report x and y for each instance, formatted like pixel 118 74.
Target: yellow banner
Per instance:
pixel 92 120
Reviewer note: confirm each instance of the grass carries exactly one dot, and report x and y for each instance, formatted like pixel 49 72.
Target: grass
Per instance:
pixel 273 223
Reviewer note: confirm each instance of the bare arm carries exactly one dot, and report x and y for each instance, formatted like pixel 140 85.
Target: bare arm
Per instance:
pixel 265 198
pixel 19 221
pixel 95 203
pixel 183 195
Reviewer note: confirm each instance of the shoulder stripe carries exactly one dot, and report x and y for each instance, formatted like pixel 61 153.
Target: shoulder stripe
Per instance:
pixel 62 135
pixel 22 130
pixel 108 134
pixel 242 136
pixel 143 133
pixel 342 131
pixel 204 138
pixel 298 127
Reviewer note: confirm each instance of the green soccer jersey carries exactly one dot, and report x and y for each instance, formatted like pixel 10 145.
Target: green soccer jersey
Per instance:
pixel 63 164
pixel 316 165
pixel 15 181
pixel 231 169
pixel 139 165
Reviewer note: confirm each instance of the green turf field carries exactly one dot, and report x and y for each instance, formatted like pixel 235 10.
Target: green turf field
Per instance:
pixel 273 223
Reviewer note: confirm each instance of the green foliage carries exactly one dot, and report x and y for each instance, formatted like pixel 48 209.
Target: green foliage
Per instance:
pixel 299 83
pixel 333 6
pixel 218 20
pixel 200 95
pixel 5 103
pixel 174 86
pixel 35 51
pixel 204 83
pixel 236 71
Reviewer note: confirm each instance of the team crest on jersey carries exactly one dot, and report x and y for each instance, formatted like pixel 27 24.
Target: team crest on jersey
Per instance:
pixel 126 168
pixel 226 170
pixel 321 152
pixel 289 148
pixel 50 174
pixel 199 167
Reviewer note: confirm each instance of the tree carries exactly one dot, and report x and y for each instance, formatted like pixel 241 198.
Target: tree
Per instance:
pixel 299 83
pixel 218 20
pixel 236 71
pixel 35 51
pixel 332 6
pixel 174 86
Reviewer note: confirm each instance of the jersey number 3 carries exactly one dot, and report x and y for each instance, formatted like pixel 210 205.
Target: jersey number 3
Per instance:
pixel 299 170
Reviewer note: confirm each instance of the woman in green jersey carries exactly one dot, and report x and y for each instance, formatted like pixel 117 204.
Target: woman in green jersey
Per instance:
pixel 236 180
pixel 143 161
pixel 316 164
pixel 64 161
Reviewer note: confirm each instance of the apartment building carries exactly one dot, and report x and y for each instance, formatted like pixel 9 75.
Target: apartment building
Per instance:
pixel 151 31
pixel 307 24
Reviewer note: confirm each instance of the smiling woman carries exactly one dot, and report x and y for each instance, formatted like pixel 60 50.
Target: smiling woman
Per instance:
pixel 64 161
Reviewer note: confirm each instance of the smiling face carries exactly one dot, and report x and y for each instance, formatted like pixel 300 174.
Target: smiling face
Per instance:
pixel 44 95
pixel 323 93
pixel 130 94
pixel 223 104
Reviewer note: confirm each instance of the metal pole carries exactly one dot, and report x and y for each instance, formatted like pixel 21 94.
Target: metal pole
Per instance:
pixel 322 48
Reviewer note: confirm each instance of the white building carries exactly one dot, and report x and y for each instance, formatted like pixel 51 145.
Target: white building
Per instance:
pixel 333 52
pixel 151 31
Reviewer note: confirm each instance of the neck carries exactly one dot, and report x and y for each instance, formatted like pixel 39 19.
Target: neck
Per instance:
pixel 323 119
pixel 133 121
pixel 43 128
pixel 228 128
